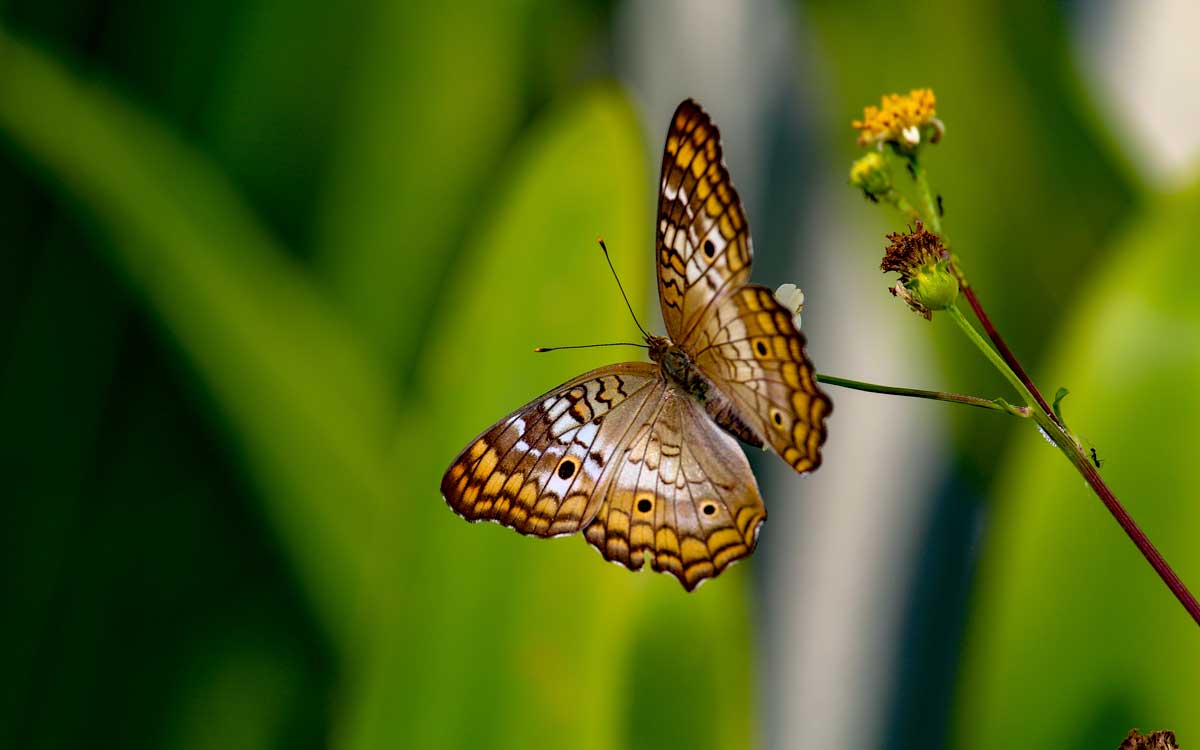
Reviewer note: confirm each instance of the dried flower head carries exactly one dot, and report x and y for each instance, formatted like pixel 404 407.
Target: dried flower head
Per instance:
pixel 1163 739
pixel 901 120
pixel 926 281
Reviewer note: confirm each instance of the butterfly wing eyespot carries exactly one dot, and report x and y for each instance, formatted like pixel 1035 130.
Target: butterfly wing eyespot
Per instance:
pixel 752 352
pixel 536 470
pixel 682 497
pixel 702 244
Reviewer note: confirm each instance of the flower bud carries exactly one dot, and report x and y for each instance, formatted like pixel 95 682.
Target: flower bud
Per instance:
pixel 871 175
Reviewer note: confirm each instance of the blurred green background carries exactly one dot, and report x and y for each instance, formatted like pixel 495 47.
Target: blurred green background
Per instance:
pixel 265 267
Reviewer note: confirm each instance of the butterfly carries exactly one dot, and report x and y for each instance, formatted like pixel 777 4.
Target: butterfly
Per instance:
pixel 643 457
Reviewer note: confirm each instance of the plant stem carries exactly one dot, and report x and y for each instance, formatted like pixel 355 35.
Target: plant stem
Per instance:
pixel 1077 457
pixel 1005 352
pixel 902 205
pixel 983 346
pixel 929 209
pixel 1074 453
pixel 956 398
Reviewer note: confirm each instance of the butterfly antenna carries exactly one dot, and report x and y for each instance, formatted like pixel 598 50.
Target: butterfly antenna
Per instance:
pixel 618 278
pixel 541 349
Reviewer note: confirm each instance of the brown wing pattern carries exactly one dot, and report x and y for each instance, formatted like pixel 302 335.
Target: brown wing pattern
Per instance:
pixel 634 460
pixel 752 352
pixel 537 469
pixel 682 494
pixel 703 242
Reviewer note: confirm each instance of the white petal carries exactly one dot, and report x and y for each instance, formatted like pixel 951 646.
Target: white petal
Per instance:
pixel 791 297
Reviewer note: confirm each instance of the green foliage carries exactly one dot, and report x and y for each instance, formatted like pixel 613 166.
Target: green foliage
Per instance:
pixel 268 348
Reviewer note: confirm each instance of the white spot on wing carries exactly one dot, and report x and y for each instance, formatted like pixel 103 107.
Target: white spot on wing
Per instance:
pixel 587 433
pixel 556 408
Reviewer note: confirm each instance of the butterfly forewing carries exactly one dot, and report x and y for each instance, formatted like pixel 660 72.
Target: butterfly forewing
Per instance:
pixel 681 494
pixel 750 349
pixel 703 242
pixel 537 469
pixel 737 333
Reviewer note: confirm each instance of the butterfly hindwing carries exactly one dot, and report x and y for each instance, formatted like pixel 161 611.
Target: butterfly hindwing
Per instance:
pixel 703 246
pixel 750 349
pixel 681 494
pixel 537 469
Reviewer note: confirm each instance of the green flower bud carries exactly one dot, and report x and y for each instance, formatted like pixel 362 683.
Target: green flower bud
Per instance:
pixel 871 175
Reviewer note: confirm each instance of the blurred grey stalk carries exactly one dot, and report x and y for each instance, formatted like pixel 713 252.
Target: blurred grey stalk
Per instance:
pixel 840 547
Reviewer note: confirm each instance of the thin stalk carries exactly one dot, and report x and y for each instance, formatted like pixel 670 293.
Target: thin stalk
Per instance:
pixel 957 316
pixel 1074 453
pixel 932 218
pixel 954 398
pixel 901 203
pixel 1005 352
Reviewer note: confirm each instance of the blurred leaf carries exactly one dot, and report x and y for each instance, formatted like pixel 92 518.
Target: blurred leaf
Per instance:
pixel 60 364
pixel 273 112
pixel 300 395
pixel 432 114
pixel 1073 638
pixel 439 97
pixel 218 686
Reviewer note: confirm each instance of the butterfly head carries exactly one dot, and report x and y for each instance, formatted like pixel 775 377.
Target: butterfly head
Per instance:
pixel 677 367
pixel 659 345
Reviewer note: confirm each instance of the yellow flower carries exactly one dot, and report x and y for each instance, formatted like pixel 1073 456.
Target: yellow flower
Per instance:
pixel 900 120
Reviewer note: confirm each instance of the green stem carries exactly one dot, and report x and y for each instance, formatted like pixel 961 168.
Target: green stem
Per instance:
pixel 901 203
pixel 954 398
pixel 994 357
pixel 929 209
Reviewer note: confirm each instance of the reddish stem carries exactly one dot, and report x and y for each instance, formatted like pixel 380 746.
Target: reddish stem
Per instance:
pixel 1005 352
pixel 1144 545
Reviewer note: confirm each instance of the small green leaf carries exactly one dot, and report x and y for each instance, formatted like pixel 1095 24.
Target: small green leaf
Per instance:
pixel 1059 395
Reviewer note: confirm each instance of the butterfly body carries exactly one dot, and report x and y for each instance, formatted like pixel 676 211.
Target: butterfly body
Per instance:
pixel 676 366
pixel 642 457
